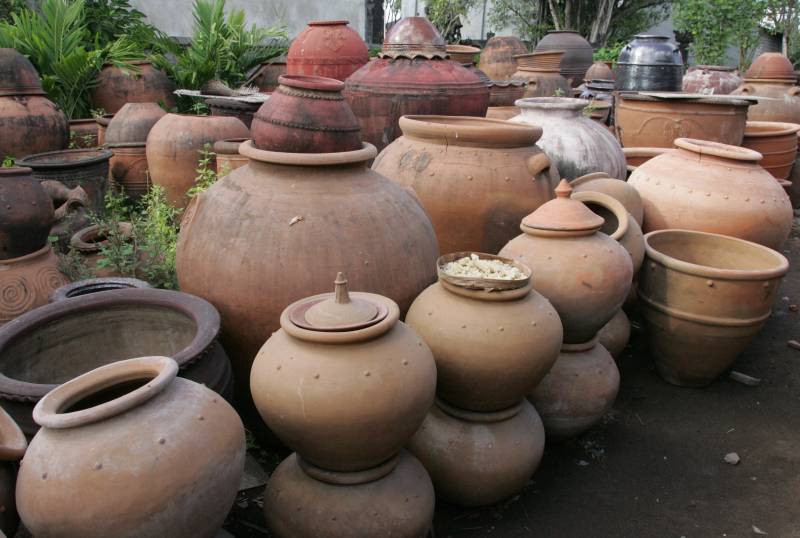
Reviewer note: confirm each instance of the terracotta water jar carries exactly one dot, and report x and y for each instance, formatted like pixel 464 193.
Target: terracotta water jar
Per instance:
pixel 777 142
pixel 465 320
pixel 540 70
pixel 771 77
pixel 505 93
pixel 578 391
pixel 83 133
pixel 266 77
pixel 147 84
pixel 412 76
pixel 619 189
pixel 711 187
pixel 599 71
pixel 584 273
pixel 704 297
pixel 771 65
pixel 96 285
pixel 479 459
pixel 576 144
pixel 328 49
pixel 228 156
pixel 126 436
pixel 27 281
pixel 497 58
pixel 650 63
pixel 493 167
pixel 615 334
pixel 577 53
pixel 102 125
pixel 27 214
pixel 12 448
pixel 711 79
pixel 173 145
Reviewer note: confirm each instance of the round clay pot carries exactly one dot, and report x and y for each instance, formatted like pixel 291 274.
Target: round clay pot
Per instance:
pixel 228 156
pixel 17 75
pixel 505 93
pixel 306 115
pixel 344 388
pixel 327 49
pixel 704 297
pixel 576 144
pixel 27 281
pixel 794 176
pixel 132 123
pixel 493 168
pixel 464 321
pixel 712 187
pixel 478 459
pixel 96 285
pixel 711 79
pixel 600 71
pixel 647 121
pixel 497 58
pixel 129 169
pixel 463 54
pixel 116 87
pixel 31 124
pixel 577 53
pixel 578 391
pixel 242 110
pixel 778 99
pixel 650 63
pixel 772 65
pixel 126 436
pixel 400 503
pixel 541 73
pixel 102 126
pixel 582 271
pixel 12 448
pixel 101 328
pixel 635 157
pixel 615 334
pixel 83 133
pixel 266 78
pixel 777 142
pixel 173 145
pixel 27 213
pixel 619 189
pixel 89 242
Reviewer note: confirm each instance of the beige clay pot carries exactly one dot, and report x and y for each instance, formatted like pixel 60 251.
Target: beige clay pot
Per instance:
pixel 615 334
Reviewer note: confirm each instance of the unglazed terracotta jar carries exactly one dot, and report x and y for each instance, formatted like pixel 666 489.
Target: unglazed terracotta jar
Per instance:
pixel 582 271
pixel 466 320
pixel 266 78
pixel 711 79
pixel 540 70
pixel 478 459
pixel 577 53
pixel 12 447
pixel 493 167
pixel 578 391
pixel 619 189
pixel 327 49
pixel 497 58
pixel 173 145
pixel 228 156
pixel 505 93
pixel 27 281
pixel 779 99
pixel 27 214
pixel 96 285
pixel 116 87
pixel 102 125
pixel 132 123
pixel 777 142
pixel 83 133
pixel 576 144
pixel 772 65
pixel 126 436
pixel 599 71
pixel 125 136
pixel 704 297
pixel 615 334
pixel 649 63
pixel 712 187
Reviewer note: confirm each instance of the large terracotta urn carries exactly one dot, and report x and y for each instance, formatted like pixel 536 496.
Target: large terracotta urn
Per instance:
pixel 142 84
pixel 27 214
pixel 173 147
pixel 497 58
pixel 584 273
pixel 771 77
pixel 541 72
pixel 650 63
pixel 576 144
pixel 704 297
pixel 412 76
pixel 493 168
pixel 122 441
pixel 327 49
pixel 712 187
pixel 577 53
pixel 27 281
pixel 12 448
pixel 777 142
pixel 711 79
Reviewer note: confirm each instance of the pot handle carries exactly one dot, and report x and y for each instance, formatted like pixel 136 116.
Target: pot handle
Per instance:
pixel 538 163
pixel 610 203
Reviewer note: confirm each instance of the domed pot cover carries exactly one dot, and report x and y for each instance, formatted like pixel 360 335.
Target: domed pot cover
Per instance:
pixel 27 281
pixel 17 75
pixel 599 71
pixel 713 79
pixel 577 53
pixel 772 65
pixel 779 99
pixel 497 58
pixel 327 49
pixel 116 87
pixel 650 63
pixel 493 168
pixel 122 441
pixel 27 214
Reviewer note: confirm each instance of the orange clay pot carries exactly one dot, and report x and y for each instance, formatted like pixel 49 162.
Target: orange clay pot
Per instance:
pixel 779 99
pixel 26 282
pixel 115 87
pixel 497 58
pixel 777 142
pixel 327 49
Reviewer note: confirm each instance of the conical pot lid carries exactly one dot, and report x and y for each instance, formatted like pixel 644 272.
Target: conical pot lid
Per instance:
pixel 414 37
pixel 337 311
pixel 563 214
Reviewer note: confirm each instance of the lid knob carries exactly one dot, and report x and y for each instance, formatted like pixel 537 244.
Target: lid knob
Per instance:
pixel 340 309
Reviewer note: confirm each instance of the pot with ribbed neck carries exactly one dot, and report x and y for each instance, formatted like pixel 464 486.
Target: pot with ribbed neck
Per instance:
pixel 493 167
pixel 540 70
pixel 329 49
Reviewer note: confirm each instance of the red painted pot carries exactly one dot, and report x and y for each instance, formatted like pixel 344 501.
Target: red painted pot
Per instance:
pixel 327 49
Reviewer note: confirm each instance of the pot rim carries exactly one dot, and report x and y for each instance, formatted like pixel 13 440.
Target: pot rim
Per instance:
pixel 718 149
pixel 114 282
pixel 94 156
pixel 462 49
pixel 121 145
pixel 552 103
pixel 779 129
pixel 693 269
pixel 643 151
pixel 457 130
pixel 332 22
pixel 479 284
pixel 783 81
pixel 48 411
pixel 13 443
pixel 310 82
pixel 80 240
pixel 15 171
pixel 652 36
pixel 27 257
pixel 229 146
pixel 367 152
pixel 681 98
pixel 481 417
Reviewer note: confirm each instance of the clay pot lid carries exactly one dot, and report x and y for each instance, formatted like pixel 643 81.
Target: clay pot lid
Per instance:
pixel 337 311
pixel 718 149
pixel 17 75
pixel 762 129
pixel 471 131
pixel 414 37
pixel 339 22
pixel 563 214
pixel 771 65
pixel 479 283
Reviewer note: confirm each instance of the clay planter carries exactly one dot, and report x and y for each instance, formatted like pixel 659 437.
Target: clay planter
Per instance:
pixel 96 285
pixel 27 281
pixel 711 187
pixel 173 145
pixel 134 322
pixel 129 169
pixel 478 459
pixel 83 133
pixel 615 334
pixel 497 58
pixel 704 297
pixel 772 65
pixel 778 99
pixel 541 73
pixel 12 447
pixel 584 273
pixel 27 214
pixel 327 49
pixel 650 63
pixel 505 93
pixel 777 142
pixel 599 71
pixel 635 157
pixel 102 125
pixel 133 123
pixel 126 436
pixel 576 144
pixel 399 503
pixel 492 167
pixel 90 240
pixel 577 53
pixel 464 321
pixel 647 121
pixel 306 115
pixel 228 156
pixel 578 391
pixel 31 124
pixel 115 87
pixel 625 194
pixel 463 54
pixel 711 79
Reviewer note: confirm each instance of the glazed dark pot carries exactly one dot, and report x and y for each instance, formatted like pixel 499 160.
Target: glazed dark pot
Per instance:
pixel 577 53
pixel 115 87
pixel 650 63
pixel 27 213
pixel 102 328
pixel 96 285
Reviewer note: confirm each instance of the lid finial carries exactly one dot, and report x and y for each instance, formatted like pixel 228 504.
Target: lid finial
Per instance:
pixel 341 293
pixel 564 189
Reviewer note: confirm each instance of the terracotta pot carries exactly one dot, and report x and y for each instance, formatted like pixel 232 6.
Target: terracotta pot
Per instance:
pixel 102 125
pixel 327 49
pixel 31 124
pixel 615 334
pixel 27 214
pixel 135 322
pixel 89 242
pixel 133 123
pixel 599 70
pixel 711 187
pixel 243 111
pixel 12 448
pixel 27 281
pixel 228 156
pixel 502 112
pixel 478 459
pixel 464 321
pixel 549 60
pixel 115 87
pixel 96 285
pixel 306 115
pixel 400 503
pixel 462 54
pixel 704 297
pixel 17 75
pixel 576 144
pixel 266 76
pixel 711 79
pixel 583 272
pixel 83 133
pixel 635 157
pixel 129 169
pixel 412 76
pixel 487 164
pixel 124 437
pixel 650 63
pixel 777 142
pixel 578 391
pixel 647 121
pixel 325 211
pixel 541 82
pixel 173 145
pixel 794 190
pixel 772 65
pixel 505 93
pixel 497 58
pixel 625 194
pixel 577 53
pixel 778 99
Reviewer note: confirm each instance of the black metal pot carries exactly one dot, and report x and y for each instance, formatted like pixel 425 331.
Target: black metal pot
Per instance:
pixel 649 63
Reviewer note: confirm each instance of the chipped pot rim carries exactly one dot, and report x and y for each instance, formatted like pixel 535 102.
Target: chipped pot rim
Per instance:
pixel 462 130
pixel 718 149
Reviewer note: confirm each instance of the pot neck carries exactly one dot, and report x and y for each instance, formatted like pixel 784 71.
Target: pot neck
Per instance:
pixel 479 416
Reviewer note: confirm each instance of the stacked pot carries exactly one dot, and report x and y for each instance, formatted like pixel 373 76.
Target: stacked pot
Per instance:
pixel 345 384
pixel 327 49
pixel 772 78
pixel 541 71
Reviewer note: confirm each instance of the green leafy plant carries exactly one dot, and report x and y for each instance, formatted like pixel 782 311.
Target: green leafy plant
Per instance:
pixel 108 20
pixel 73 265
pixel 610 53
pixel 446 16
pixel 7 7
pixel 8 161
